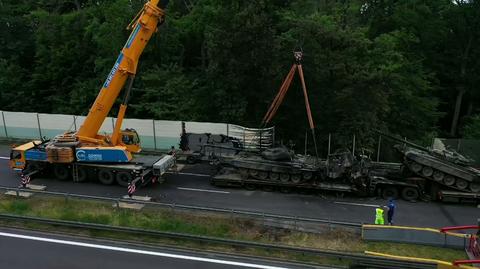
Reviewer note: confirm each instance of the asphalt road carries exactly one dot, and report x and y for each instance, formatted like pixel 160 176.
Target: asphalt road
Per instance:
pixel 191 188
pixel 24 250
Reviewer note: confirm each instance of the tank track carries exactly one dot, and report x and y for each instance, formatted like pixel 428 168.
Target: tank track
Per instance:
pixel 443 178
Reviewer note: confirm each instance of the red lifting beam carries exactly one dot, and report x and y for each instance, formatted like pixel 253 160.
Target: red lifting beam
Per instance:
pixel 465 262
pixel 456 228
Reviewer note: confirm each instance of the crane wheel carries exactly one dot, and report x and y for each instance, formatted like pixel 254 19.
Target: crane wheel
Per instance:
pixel 410 194
pixel 124 178
pixel 106 177
pixel 61 172
pixel 390 193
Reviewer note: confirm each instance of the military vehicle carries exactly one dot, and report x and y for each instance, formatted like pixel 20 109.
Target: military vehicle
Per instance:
pixel 445 167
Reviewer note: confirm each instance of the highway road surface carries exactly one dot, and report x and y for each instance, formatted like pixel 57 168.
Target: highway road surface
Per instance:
pixel 191 187
pixel 33 250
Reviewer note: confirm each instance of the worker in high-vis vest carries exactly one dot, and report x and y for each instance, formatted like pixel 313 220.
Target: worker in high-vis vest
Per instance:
pixel 379 216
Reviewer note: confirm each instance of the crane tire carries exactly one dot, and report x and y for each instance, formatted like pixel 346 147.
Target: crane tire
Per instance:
pixel 123 178
pixel 410 194
pixel 106 177
pixel 61 172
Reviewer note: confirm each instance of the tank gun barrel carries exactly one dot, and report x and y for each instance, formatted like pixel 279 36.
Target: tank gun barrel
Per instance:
pixel 403 141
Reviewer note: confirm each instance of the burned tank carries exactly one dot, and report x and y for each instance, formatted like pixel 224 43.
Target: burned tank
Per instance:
pixel 280 167
pixel 445 167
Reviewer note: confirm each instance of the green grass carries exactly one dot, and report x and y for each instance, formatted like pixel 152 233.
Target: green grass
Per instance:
pixel 215 225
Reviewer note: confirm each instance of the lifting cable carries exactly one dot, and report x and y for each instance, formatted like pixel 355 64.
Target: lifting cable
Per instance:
pixel 283 91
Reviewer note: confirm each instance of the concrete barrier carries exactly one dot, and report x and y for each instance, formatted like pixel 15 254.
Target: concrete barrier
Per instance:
pixel 414 235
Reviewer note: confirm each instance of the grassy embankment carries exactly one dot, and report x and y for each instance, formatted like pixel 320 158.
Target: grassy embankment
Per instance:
pixel 206 225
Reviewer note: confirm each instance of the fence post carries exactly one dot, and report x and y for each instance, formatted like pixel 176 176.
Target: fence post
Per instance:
pixel 154 136
pixel 329 143
pixel 113 124
pixel 378 148
pixel 4 124
pixel 39 128
pixel 75 122
pixel 228 130
pixel 353 147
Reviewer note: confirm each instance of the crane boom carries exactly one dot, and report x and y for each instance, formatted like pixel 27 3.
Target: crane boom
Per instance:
pixel 143 26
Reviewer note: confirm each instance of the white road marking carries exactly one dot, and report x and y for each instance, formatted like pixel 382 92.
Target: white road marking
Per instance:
pixel 138 251
pixel 202 190
pixel 187 174
pixel 4 158
pixel 367 205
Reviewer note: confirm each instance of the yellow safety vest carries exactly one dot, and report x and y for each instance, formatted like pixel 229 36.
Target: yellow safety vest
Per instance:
pixel 379 213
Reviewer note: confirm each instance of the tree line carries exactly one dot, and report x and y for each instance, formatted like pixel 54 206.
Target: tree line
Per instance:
pixel 407 67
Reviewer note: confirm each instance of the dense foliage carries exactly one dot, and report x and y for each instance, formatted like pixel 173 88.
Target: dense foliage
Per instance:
pixel 409 67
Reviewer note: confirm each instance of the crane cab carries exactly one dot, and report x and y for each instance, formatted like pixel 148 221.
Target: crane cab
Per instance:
pixel 131 140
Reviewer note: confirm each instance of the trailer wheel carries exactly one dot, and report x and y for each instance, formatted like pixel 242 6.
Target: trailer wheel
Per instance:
pixel 61 172
pixel 390 193
pixel 250 186
pixel 106 177
pixel 410 194
pixel 124 178
pixel 475 187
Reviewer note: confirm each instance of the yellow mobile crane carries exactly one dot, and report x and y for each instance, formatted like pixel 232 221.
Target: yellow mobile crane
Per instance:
pixel 86 153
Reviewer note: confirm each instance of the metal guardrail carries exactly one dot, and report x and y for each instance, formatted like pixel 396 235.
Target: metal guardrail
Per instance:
pixel 232 212
pixel 358 260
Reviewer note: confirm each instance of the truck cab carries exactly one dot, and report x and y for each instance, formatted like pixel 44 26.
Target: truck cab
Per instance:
pixel 18 160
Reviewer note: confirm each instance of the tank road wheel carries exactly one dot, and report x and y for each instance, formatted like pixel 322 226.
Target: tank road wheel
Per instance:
pixel 449 180
pixel 427 171
pixel 438 176
pixel 274 176
pixel 243 173
pixel 284 177
pixel 390 193
pixel 410 194
pixel 82 174
pixel 123 178
pixel 307 175
pixel 416 167
pixel 461 184
pixel 475 187
pixel 253 173
pixel 61 172
pixel 262 175
pixel 296 178
pixel 106 177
